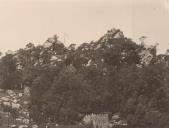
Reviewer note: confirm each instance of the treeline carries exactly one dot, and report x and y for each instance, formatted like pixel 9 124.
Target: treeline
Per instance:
pixel 113 74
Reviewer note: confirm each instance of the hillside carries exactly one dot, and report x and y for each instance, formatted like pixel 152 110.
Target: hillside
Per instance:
pixel 111 75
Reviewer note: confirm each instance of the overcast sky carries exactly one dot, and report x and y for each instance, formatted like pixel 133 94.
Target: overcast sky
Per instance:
pixel 24 21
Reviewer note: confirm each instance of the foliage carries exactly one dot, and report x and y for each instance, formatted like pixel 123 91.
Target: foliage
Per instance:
pixel 108 75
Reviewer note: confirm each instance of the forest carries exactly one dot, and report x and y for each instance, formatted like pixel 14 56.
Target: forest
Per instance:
pixel 113 74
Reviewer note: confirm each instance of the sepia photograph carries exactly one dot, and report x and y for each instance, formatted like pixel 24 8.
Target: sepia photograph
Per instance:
pixel 84 63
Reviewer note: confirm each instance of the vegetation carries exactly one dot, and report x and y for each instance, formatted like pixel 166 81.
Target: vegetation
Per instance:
pixel 113 74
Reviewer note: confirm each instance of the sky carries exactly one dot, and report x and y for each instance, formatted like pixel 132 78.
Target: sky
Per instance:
pixel 79 21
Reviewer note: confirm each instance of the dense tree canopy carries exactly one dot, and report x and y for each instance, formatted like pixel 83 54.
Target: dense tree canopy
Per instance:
pixel 113 74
